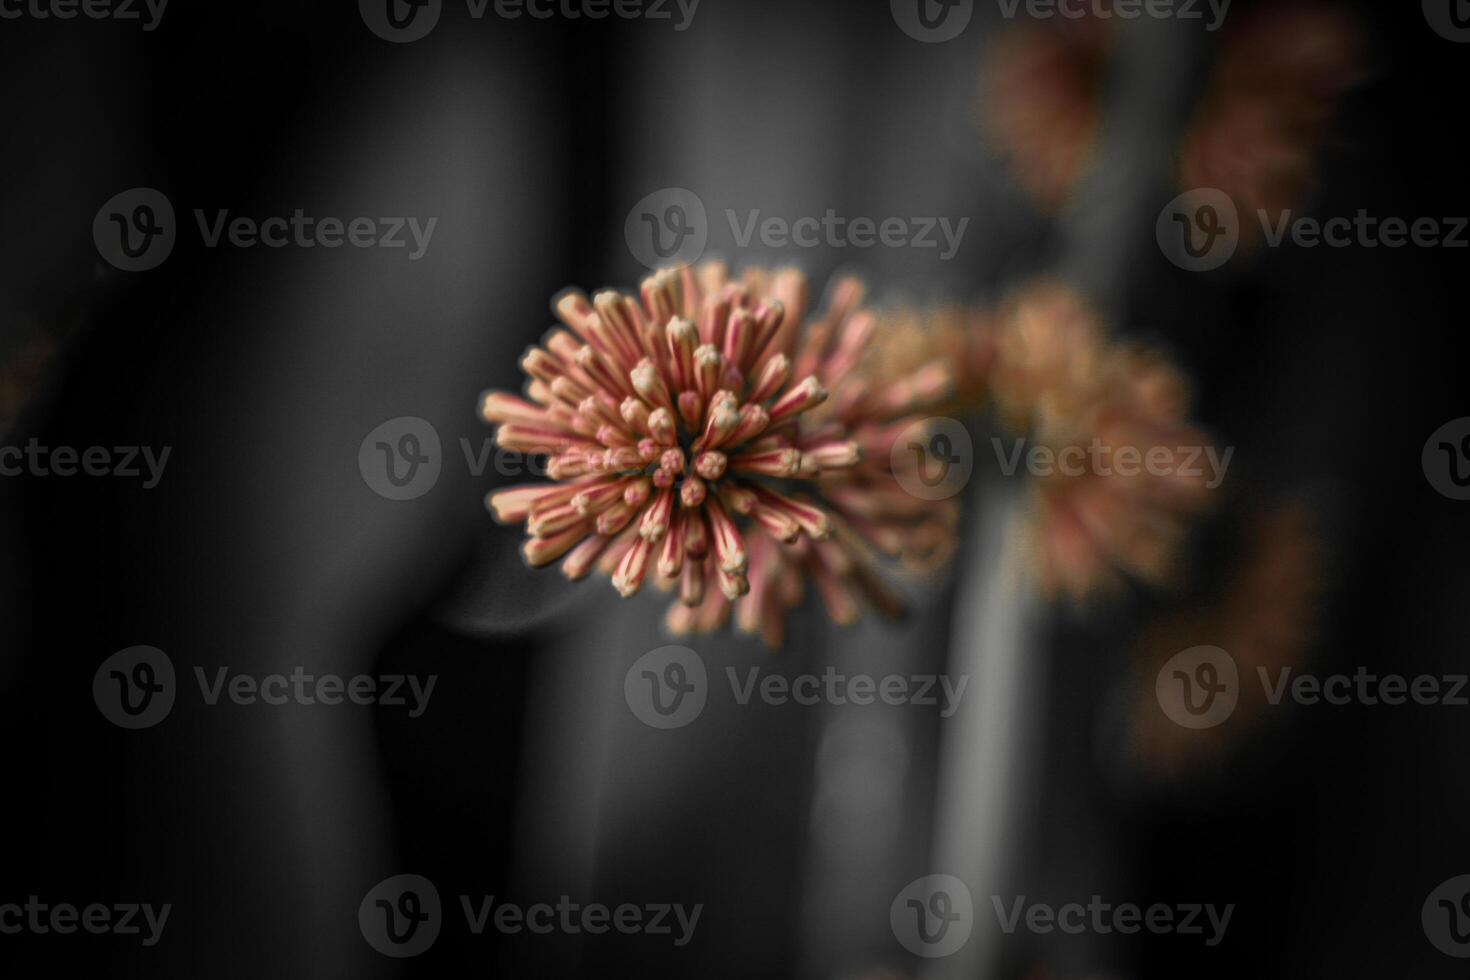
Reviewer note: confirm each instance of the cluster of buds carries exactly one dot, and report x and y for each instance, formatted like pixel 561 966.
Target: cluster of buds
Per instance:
pixel 1278 81
pixel 1041 91
pixel 1060 379
pixel 1269 99
pixel 704 435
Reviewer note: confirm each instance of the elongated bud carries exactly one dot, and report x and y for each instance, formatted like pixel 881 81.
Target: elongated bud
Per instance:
pixel 628 578
pixel 808 394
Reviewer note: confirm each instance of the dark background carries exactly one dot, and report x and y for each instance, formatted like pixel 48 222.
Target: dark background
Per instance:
pixel 262 548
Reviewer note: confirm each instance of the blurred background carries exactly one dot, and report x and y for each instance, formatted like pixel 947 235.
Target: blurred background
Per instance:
pixel 263 549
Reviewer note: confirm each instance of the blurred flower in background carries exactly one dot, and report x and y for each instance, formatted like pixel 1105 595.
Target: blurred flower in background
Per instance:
pixel 1270 98
pixel 1082 397
pixel 1041 90
pixel 1281 72
pixel 1264 615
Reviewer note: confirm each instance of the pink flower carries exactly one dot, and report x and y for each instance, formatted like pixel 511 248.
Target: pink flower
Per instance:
pixel 703 436
pixel 1084 398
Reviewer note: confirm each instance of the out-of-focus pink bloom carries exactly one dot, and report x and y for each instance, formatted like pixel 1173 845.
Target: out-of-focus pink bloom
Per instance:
pixel 1040 94
pixel 703 436
pixel 961 338
pixel 1281 73
pixel 1264 615
pixel 1084 400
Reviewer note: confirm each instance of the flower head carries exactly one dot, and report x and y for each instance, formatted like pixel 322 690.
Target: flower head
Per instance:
pixel 1114 418
pixel 702 436
pixel 1279 79
pixel 1041 93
